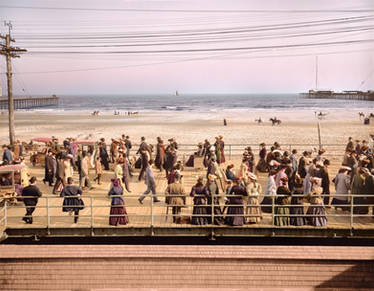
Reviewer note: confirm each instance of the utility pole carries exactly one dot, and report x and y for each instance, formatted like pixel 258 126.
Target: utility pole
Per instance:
pixel 10 52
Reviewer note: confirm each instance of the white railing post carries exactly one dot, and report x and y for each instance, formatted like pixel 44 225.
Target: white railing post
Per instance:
pixel 272 210
pixel 152 221
pixel 48 217
pixel 5 216
pixel 92 214
pixel 351 220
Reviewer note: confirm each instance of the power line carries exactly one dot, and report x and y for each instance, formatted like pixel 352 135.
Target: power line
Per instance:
pixel 219 57
pixel 208 49
pixel 233 30
pixel 205 41
pixel 276 11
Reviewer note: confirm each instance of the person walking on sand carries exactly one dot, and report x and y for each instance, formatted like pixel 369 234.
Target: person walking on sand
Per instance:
pixel 150 182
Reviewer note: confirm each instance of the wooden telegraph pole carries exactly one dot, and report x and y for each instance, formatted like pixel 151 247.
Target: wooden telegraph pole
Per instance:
pixel 10 52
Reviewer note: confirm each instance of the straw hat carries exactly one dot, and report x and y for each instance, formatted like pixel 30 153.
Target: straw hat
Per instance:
pixel 252 176
pixel 212 177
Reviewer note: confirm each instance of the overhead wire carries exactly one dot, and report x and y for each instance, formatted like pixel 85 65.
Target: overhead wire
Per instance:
pixel 240 11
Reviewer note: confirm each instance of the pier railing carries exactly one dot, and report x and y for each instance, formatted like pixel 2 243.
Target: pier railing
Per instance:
pixel 96 213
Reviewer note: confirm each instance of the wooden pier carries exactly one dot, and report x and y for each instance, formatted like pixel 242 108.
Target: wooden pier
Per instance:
pixel 346 95
pixel 32 102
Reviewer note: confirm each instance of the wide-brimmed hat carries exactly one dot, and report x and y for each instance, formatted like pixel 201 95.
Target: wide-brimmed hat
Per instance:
pixel 212 177
pixel 346 168
pixel 252 176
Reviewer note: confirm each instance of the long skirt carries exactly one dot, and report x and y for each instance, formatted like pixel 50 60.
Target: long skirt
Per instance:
pixel 218 214
pixel 262 166
pixel 238 219
pixel 341 204
pixel 319 210
pixel 360 209
pixel 284 219
pixel 266 204
pixel 297 209
pixel 190 162
pixel 72 204
pixel 118 215
pixel 253 208
pixel 199 209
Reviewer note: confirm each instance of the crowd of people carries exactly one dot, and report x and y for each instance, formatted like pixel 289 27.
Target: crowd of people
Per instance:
pixel 225 195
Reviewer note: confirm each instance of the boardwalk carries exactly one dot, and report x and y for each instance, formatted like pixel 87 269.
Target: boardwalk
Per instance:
pixel 150 219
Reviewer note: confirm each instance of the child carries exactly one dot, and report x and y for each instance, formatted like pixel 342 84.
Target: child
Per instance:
pixel 98 170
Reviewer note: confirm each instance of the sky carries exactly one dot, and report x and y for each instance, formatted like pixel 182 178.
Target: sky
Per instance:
pixel 157 47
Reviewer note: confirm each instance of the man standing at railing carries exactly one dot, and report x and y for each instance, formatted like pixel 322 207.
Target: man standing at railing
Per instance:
pixel 33 193
pixel 178 201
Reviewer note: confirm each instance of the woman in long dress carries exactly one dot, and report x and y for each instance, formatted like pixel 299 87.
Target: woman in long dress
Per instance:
pixel 254 190
pixel 213 202
pixel 235 210
pixel 282 209
pixel 262 165
pixel 118 214
pixel 160 154
pixel 316 214
pixel 270 192
pixel 200 197
pixel 297 202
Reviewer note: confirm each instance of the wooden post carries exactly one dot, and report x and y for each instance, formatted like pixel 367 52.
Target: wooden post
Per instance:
pixel 319 135
pixel 10 52
pixel 10 93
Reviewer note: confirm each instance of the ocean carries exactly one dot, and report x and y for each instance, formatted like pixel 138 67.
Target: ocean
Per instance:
pixel 202 102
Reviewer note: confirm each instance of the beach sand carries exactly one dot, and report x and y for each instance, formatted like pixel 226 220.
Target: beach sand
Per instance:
pixel 298 127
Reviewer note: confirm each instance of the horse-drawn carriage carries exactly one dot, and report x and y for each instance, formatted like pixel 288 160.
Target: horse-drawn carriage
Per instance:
pixel 11 183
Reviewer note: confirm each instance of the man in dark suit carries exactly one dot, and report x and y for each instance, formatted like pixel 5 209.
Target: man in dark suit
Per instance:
pixel 60 174
pixel 30 196
pixel 49 168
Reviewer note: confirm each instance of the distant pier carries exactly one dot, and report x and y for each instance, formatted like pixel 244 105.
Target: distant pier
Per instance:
pixel 345 95
pixel 31 102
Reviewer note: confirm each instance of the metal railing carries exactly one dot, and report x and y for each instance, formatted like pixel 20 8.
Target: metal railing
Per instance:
pixel 96 212
pixel 231 150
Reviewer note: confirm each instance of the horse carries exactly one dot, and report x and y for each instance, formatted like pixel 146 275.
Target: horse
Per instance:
pixel 321 115
pixel 259 121
pixel 275 121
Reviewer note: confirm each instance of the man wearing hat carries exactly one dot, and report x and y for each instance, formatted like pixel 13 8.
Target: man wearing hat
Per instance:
pixel 176 188
pixel 30 196
pixel 128 145
pixel 150 182
pixel 342 186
